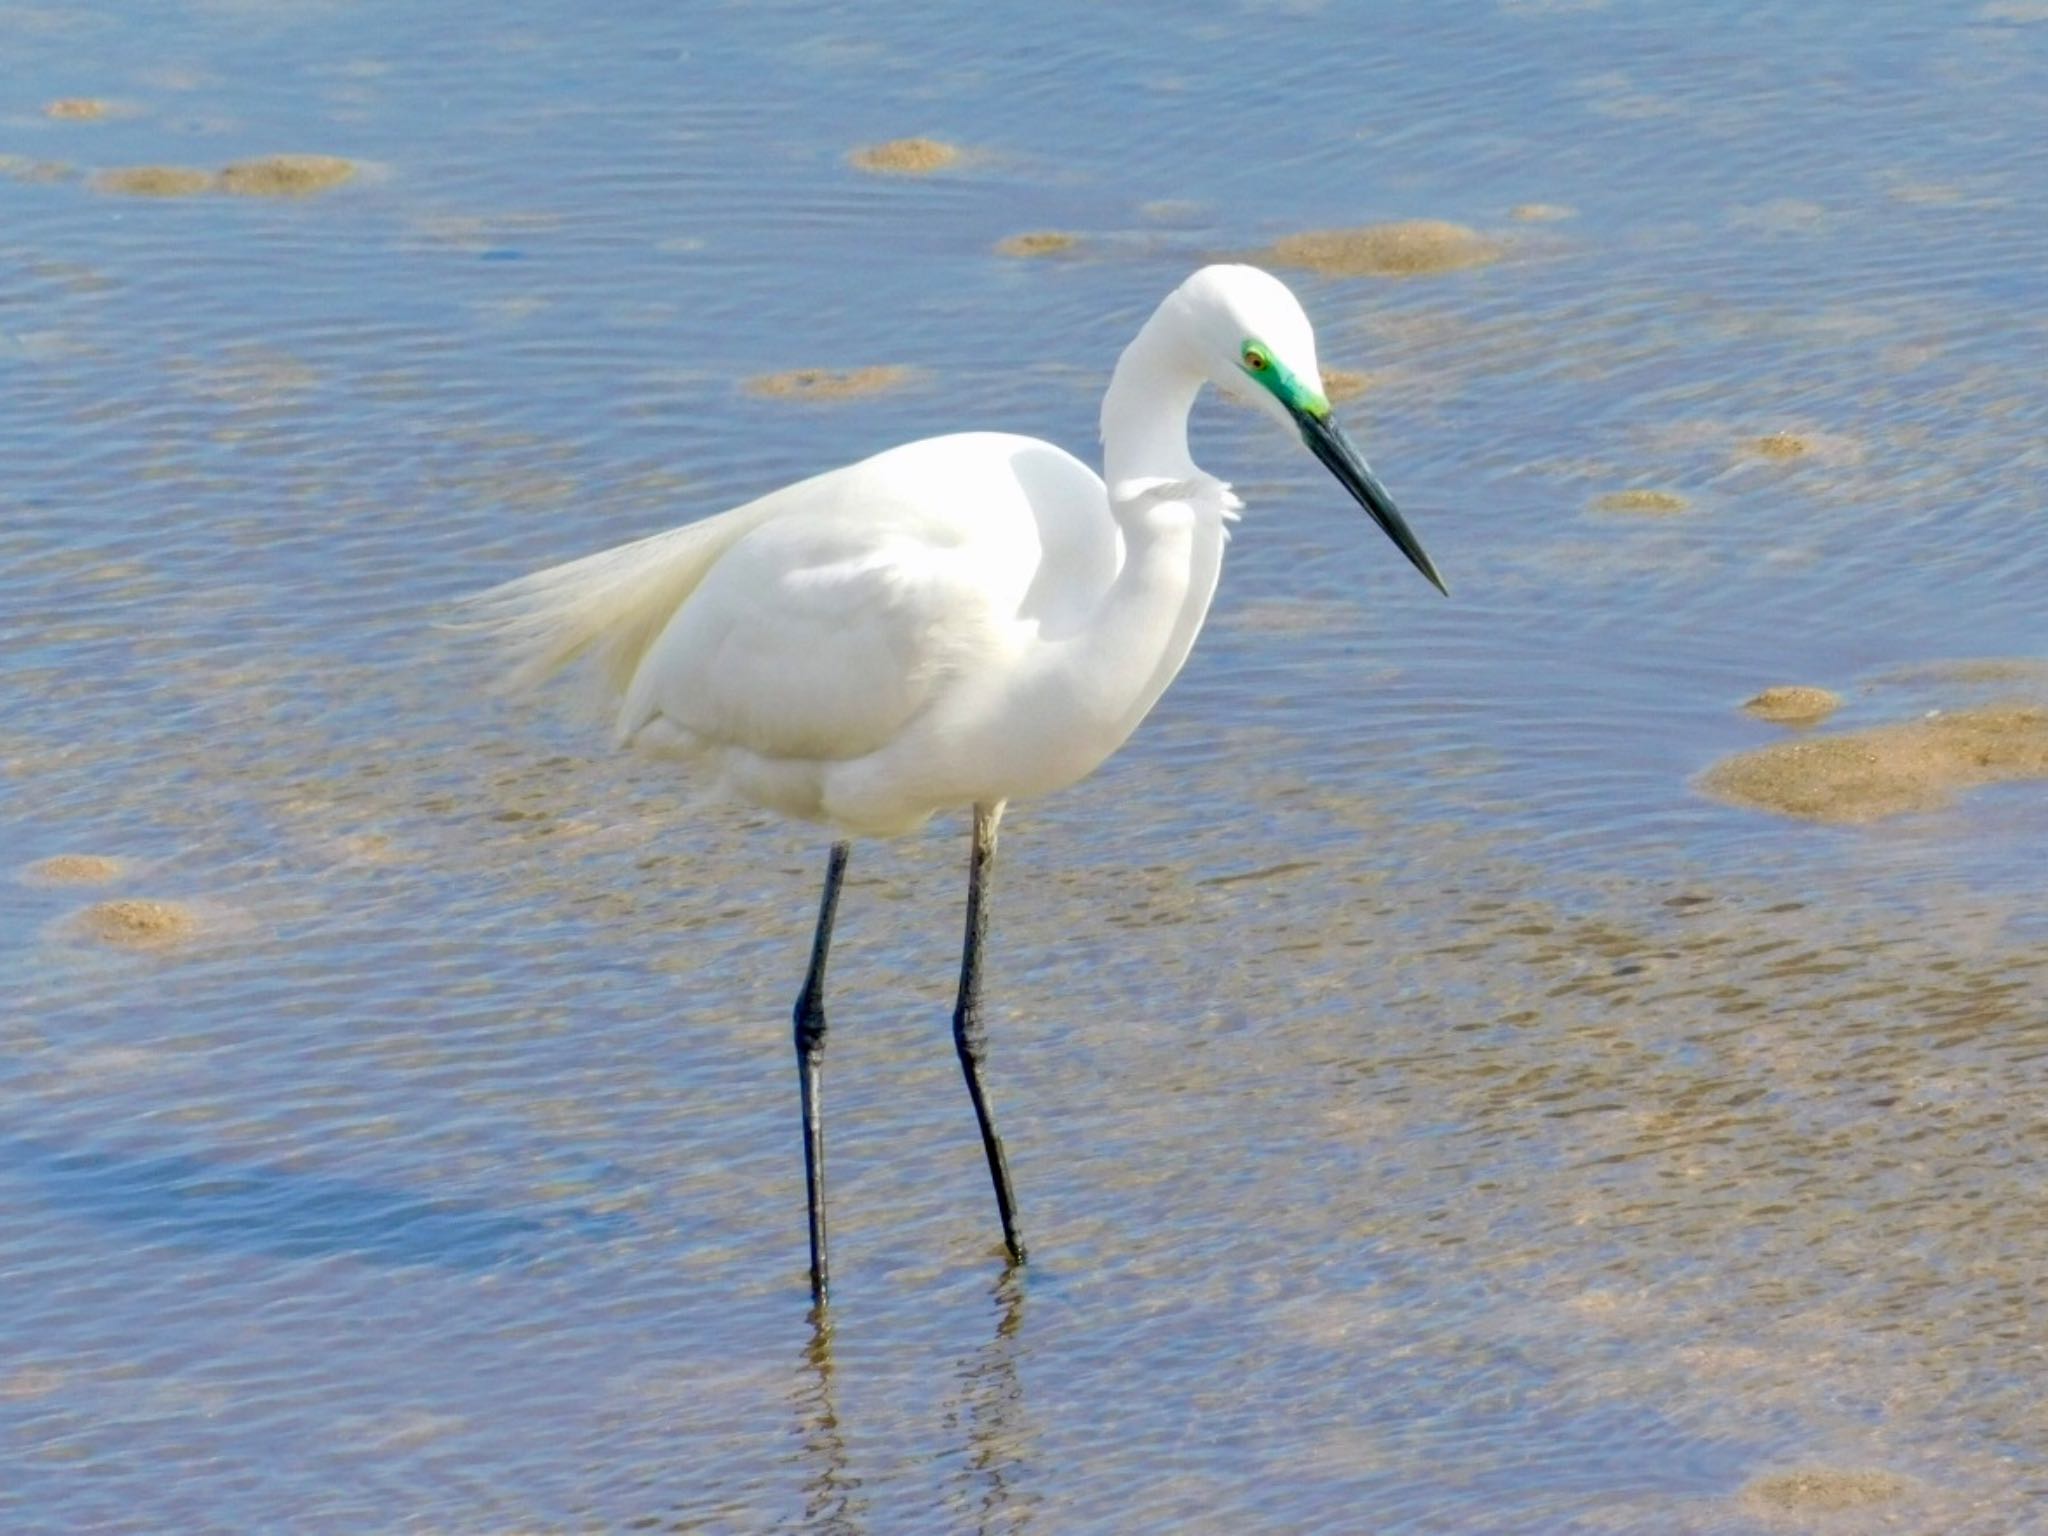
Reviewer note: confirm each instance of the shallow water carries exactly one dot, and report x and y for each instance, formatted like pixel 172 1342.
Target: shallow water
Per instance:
pixel 1430 1112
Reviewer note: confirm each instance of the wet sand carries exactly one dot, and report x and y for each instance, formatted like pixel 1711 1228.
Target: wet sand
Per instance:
pixel 2022 673
pixel 134 923
pixel 1653 502
pixel 154 181
pixel 76 869
pixel 829 383
pixel 1039 242
pixel 906 157
pixel 1410 248
pixel 1887 770
pixel 24 168
pixel 289 176
pixel 1793 704
pixel 1780 445
pixel 1825 1491
pixel 286 175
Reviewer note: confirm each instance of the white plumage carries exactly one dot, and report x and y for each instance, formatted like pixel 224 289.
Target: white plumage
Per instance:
pixel 958 622
pixel 964 619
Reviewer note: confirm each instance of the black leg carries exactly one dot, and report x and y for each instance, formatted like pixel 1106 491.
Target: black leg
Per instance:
pixel 810 1050
pixel 970 1035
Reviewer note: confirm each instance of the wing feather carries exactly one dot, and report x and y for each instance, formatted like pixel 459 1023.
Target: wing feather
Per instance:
pixel 816 623
pixel 818 641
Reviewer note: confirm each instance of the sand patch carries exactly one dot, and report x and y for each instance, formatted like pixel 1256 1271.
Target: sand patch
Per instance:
pixel 1832 450
pixel 1540 213
pixel 77 109
pixel 905 157
pixel 829 384
pixel 371 848
pixel 1888 770
pixel 1823 1490
pixel 1038 242
pixel 1341 384
pixel 1793 704
pixel 36 172
pixel 1780 445
pixel 1410 248
pixel 1975 672
pixel 76 869
pixel 139 924
pixel 1655 503
pixel 286 175
pixel 154 181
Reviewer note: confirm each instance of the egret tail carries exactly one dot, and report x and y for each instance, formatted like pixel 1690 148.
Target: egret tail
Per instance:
pixel 609 606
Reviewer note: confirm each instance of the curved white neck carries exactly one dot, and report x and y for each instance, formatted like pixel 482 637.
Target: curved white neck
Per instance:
pixel 1145 411
pixel 1113 670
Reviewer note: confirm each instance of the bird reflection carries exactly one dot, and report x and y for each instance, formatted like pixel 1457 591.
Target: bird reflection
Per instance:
pixel 985 1416
pixel 991 1413
pixel 831 1492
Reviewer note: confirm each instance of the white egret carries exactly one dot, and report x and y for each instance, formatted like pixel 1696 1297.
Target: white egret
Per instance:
pixel 953 624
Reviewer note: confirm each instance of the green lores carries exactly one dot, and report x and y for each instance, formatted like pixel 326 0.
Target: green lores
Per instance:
pixel 1262 365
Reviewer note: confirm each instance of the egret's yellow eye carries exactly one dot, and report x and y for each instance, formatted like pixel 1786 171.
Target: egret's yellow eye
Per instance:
pixel 1256 360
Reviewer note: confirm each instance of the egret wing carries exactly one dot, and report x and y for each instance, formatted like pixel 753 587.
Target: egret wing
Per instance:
pixel 820 637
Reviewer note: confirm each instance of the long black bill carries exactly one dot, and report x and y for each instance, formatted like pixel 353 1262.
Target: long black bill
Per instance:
pixel 1326 440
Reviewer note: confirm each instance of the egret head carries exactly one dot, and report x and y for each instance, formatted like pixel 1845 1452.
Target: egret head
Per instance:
pixel 1256 343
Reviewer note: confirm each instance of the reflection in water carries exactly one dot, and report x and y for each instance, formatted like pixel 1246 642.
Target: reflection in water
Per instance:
pixel 988 1437
pixel 831 1501
pixel 990 1410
